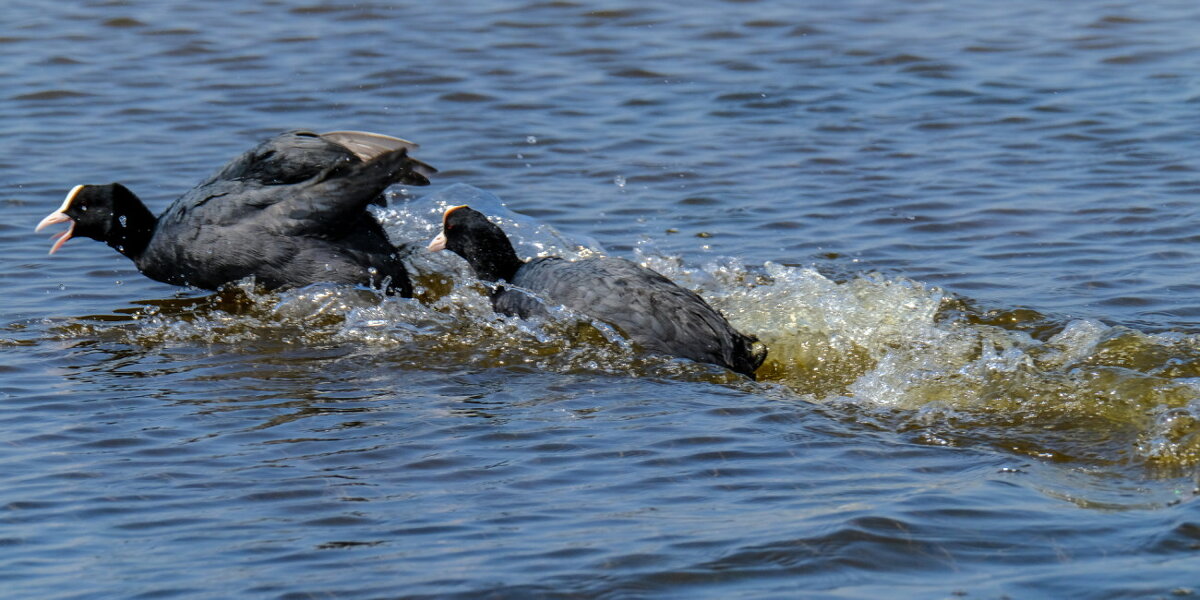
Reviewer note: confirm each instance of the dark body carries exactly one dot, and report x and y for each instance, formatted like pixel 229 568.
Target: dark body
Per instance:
pixel 290 212
pixel 649 309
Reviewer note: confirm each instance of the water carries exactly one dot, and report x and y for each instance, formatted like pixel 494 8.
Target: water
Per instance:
pixel 964 229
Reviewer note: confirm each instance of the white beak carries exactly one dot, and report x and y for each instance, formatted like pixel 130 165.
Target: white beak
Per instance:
pixel 438 243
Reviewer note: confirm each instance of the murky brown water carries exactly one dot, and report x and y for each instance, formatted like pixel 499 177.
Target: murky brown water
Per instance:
pixel 965 230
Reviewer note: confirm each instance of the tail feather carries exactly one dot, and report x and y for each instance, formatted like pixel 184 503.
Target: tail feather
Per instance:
pixel 750 356
pixel 339 196
pixel 393 166
pixel 368 146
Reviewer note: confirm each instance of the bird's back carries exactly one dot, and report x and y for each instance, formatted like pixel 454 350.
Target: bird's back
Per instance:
pixel 291 211
pixel 651 310
pixel 284 159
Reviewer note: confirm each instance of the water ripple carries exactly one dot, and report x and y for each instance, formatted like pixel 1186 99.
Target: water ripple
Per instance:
pixel 964 230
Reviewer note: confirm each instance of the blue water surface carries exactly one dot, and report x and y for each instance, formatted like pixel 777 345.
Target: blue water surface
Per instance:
pixel 1023 171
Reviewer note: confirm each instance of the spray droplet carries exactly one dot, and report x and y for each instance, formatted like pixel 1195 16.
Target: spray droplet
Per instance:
pixel 619 180
pixel 122 220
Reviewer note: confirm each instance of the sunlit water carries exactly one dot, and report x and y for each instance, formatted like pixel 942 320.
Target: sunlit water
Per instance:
pixel 963 230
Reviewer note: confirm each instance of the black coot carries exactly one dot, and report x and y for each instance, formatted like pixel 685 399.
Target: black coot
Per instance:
pixel 290 212
pixel 648 308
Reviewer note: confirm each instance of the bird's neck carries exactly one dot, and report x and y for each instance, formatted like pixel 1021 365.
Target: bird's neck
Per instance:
pixel 133 226
pixel 497 266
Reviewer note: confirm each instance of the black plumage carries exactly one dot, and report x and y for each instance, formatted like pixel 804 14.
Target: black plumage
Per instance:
pixel 290 212
pixel 646 307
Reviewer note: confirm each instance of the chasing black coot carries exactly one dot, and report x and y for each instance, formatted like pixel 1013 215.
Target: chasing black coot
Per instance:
pixel 648 308
pixel 292 211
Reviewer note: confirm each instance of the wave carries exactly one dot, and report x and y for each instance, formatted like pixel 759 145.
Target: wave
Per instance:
pixel 887 350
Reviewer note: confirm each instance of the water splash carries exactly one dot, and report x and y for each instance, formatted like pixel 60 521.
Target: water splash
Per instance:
pixel 885 349
pixel 923 359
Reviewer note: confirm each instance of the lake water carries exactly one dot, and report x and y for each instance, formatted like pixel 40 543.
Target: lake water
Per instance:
pixel 966 230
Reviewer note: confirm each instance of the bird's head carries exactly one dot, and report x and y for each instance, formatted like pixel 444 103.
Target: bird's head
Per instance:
pixel 109 213
pixel 469 234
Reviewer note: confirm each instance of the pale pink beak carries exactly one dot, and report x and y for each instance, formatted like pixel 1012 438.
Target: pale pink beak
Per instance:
pixel 60 238
pixel 60 216
pixel 439 242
